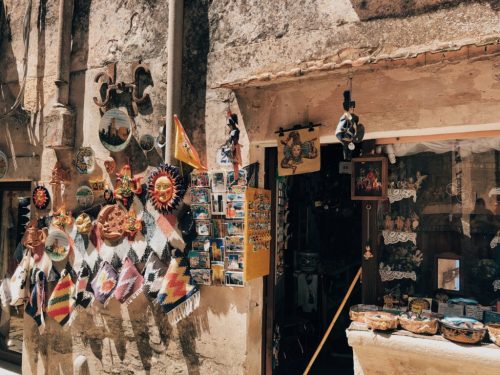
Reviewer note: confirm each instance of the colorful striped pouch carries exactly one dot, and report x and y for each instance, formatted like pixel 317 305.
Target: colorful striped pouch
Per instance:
pixel 104 282
pixel 130 282
pixel 83 292
pixel 177 296
pixel 35 305
pixel 60 304
pixel 154 271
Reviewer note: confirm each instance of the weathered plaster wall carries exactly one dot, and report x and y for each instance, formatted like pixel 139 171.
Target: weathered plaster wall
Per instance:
pixel 136 339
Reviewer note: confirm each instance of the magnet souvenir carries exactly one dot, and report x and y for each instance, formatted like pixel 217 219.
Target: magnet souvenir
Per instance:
pixel 84 161
pixel 126 185
pixel 110 222
pixel 115 130
pixel 85 196
pixel 147 142
pixel 41 197
pixel 83 224
pixel 4 165
pixel 165 188
pixel 57 245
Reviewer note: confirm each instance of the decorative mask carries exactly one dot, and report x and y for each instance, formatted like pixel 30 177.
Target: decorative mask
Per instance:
pixel 83 224
pixel 110 165
pixel 41 197
pixel 60 176
pixel 111 221
pixel 84 161
pixel 34 238
pixel 62 218
pixel 126 185
pixel 132 225
pixel 165 188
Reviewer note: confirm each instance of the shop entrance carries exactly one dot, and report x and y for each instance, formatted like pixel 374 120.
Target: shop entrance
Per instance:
pixel 317 252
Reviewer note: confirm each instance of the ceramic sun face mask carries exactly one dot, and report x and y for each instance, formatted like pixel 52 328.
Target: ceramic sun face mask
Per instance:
pixel 83 224
pixel 165 188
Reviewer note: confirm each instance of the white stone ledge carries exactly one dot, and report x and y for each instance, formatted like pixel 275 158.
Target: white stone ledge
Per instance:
pixel 404 353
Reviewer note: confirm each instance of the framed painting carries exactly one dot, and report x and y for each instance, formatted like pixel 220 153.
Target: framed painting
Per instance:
pixel 369 178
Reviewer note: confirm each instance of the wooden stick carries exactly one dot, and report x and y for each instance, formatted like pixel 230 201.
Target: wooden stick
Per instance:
pixel 334 320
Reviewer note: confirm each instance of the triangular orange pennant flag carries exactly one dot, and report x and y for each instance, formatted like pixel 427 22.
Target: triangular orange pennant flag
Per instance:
pixel 184 150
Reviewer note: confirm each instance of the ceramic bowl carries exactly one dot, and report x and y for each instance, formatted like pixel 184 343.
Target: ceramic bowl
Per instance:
pixel 462 330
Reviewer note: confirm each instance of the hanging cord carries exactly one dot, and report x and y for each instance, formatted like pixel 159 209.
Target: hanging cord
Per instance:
pixel 26 40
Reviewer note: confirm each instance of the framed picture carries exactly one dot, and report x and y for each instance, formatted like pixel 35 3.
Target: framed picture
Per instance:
pixel 201 244
pixel 200 179
pixel 217 249
pixel 235 227
pixel 218 182
pixel 235 243
pixel 203 227
pixel 234 278
pixel 369 179
pixel 235 210
pixel 448 272
pixel 200 195
pixel 218 203
pixel 201 276
pixel 234 261
pixel 199 259
pixel 200 211
pixel 218 273
pixel 299 151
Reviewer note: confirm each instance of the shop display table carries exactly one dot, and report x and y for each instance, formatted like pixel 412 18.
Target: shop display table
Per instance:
pixel 403 352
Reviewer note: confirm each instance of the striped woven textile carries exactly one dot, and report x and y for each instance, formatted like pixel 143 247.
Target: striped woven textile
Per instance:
pixel 130 282
pixel 83 292
pixel 60 304
pixel 35 305
pixel 104 282
pixel 154 271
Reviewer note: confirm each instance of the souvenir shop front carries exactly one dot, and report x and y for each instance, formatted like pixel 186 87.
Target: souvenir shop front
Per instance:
pixel 431 257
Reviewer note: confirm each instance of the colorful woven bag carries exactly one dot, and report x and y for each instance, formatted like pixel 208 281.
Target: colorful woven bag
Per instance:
pixel 60 304
pixel 130 282
pixel 104 282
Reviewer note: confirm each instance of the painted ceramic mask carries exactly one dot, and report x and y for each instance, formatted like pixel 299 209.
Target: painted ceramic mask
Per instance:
pixel 165 188
pixel 110 165
pixel 62 218
pixel 41 197
pixel 111 221
pixel 132 224
pixel 126 185
pixel 83 224
pixel 84 160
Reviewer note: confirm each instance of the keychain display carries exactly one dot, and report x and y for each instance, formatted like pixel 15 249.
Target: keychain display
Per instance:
pixel 115 130
pixel 4 164
pixel 57 245
pixel 165 188
pixel 85 196
pixel 84 161
pixel 41 197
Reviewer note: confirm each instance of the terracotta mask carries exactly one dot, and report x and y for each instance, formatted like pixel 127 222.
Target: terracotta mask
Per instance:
pixel 165 188
pixel 111 222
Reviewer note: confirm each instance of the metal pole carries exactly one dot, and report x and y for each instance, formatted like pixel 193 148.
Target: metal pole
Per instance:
pixel 64 51
pixel 174 72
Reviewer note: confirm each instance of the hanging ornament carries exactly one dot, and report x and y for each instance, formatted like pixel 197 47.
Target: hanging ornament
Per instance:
pixel 126 185
pixel 115 130
pixel 84 161
pixel 57 245
pixel 110 164
pixel 165 188
pixel 33 240
pixel 132 225
pixel 83 224
pixel 84 196
pixel 110 222
pixel 4 164
pixel 147 142
pixel 41 197
pixel 62 218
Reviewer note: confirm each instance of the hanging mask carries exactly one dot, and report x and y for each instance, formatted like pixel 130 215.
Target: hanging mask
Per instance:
pixel 165 188
pixel 110 222
pixel 41 197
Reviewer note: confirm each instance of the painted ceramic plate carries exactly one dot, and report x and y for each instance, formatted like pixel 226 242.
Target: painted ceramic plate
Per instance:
pixel 4 164
pixel 84 160
pixel 57 245
pixel 84 196
pixel 115 130
pixel 41 197
pixel 147 142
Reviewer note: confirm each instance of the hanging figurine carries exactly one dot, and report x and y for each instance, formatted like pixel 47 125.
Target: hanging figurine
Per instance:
pixel 34 239
pixel 165 188
pixel 132 225
pixel 349 130
pixel 233 143
pixel 126 185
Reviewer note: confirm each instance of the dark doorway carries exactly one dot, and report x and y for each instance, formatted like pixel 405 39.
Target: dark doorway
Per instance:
pixel 321 229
